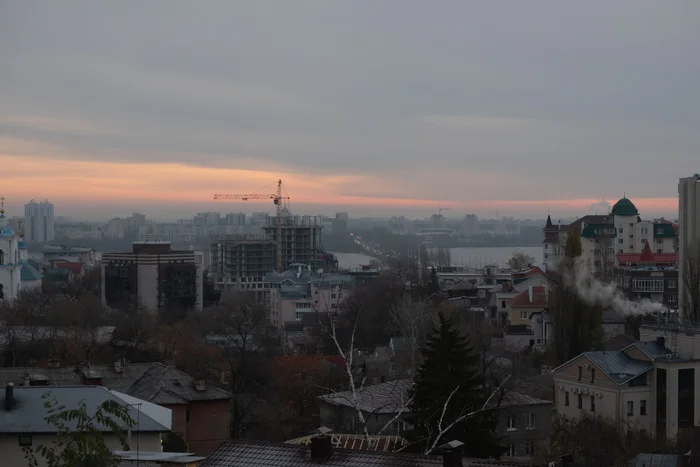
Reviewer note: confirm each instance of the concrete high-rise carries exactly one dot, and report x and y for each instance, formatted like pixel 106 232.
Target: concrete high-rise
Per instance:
pixel 38 220
pixel 688 225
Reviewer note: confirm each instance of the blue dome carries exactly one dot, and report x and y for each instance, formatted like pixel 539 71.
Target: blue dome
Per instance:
pixel 7 232
pixel 21 245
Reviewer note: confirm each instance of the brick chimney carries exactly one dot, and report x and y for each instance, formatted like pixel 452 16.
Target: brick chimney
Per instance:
pixel 321 444
pixel 9 396
pixel 452 454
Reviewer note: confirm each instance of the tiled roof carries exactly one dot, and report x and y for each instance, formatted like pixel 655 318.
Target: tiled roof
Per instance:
pixel 72 376
pixel 163 384
pixel 618 366
pixel 540 298
pixel 646 256
pixel 386 443
pixel 618 342
pixel 387 397
pixel 517 399
pixel 259 454
pixel 28 414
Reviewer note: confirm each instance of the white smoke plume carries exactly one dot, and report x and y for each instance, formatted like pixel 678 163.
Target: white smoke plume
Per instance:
pixel 595 292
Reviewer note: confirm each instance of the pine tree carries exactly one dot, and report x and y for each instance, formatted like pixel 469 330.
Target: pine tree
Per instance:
pixel 450 365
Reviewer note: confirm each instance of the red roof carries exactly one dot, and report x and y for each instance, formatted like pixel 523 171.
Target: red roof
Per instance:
pixel 646 256
pixel 540 298
pixel 76 268
pixel 530 272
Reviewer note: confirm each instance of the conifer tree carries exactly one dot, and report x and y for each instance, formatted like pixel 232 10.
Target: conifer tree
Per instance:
pixel 448 388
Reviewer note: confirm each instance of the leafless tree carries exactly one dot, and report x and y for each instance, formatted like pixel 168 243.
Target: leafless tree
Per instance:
pixel 412 319
pixel 690 275
pixel 520 260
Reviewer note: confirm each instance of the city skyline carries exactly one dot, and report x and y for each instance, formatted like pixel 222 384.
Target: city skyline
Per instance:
pixel 376 109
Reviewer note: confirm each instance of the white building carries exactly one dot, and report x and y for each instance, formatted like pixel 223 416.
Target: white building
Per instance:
pixel 38 218
pixel 688 223
pixel 10 266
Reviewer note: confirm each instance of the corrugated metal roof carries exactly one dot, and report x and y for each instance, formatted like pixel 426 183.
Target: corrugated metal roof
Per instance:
pixel 652 348
pixel 252 454
pixel 167 385
pixel 618 365
pixel 28 413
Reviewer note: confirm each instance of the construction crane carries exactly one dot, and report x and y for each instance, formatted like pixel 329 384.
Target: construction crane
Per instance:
pixel 440 209
pixel 277 200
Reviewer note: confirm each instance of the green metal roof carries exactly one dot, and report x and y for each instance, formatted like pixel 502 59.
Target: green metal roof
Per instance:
pixel 599 231
pixel 624 207
pixel 664 231
pixel 56 274
pixel 29 272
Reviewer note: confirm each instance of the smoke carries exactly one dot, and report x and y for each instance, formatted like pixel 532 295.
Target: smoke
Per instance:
pixel 607 295
pixel 601 207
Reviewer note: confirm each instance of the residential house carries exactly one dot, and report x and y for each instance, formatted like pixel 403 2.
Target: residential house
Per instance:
pixel 525 425
pixel 622 385
pixel 201 412
pixel 73 254
pixel 23 419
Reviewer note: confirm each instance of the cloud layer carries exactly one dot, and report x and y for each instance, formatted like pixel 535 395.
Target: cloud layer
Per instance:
pixel 394 103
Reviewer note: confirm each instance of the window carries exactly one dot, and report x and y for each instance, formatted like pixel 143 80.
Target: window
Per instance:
pixel 671 283
pixel 620 251
pixel 580 372
pixel 631 224
pixel 511 423
pixel 511 450
pixel 631 236
pixel 503 304
pixel 530 449
pixel 642 407
pixel 659 231
pixel 592 375
pixel 299 315
pixel 566 398
pixel 580 401
pixel 640 380
pixel 648 285
pixel 622 230
pixel 399 427
pixel 630 408
pixel 523 315
pixel 659 241
pixel 332 295
pixel 530 421
pixel 620 240
pixel 631 247
pixel 673 297
pixel 334 306
pixel 592 403
pixel 24 440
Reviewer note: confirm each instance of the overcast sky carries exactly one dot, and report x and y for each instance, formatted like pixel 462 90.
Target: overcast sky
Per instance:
pixel 370 107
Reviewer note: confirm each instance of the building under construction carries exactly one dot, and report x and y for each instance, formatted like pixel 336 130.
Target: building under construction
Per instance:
pixel 239 262
pixel 301 240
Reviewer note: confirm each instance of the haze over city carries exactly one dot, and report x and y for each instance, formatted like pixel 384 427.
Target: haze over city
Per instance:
pixel 375 108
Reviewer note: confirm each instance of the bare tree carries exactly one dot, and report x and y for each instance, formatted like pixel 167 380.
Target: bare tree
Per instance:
pixel 690 275
pixel 520 260
pixel 412 319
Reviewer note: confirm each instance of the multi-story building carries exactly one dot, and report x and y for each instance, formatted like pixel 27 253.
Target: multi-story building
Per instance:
pixel 650 384
pixel 240 262
pixel 235 218
pixel 39 221
pixel 647 275
pixel 688 222
pixel 301 240
pixel 300 290
pixel 159 278
pixel 10 265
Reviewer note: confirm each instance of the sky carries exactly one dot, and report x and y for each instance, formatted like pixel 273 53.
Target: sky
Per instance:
pixel 370 107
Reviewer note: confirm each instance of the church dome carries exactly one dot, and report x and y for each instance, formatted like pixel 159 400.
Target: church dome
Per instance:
pixel 624 207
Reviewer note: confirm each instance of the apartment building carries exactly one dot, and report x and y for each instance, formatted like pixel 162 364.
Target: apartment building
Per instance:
pixel 650 384
pixel 39 221
pixel 160 278
pixel 688 221
pixel 652 276
pixel 240 262
pixel 300 290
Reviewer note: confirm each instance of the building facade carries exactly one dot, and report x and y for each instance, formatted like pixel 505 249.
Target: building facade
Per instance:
pixel 159 278
pixel 39 221
pixel 688 221
pixel 241 261
pixel 10 265
pixel 301 240
pixel 651 276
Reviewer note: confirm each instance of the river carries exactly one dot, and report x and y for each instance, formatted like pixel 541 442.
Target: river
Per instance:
pixel 462 256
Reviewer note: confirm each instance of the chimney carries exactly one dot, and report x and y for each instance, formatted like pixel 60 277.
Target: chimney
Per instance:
pixel 452 454
pixel 199 384
pixel 118 366
pixel 9 396
pixel 321 444
pixel 27 381
pixel 661 341
pixel 529 293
